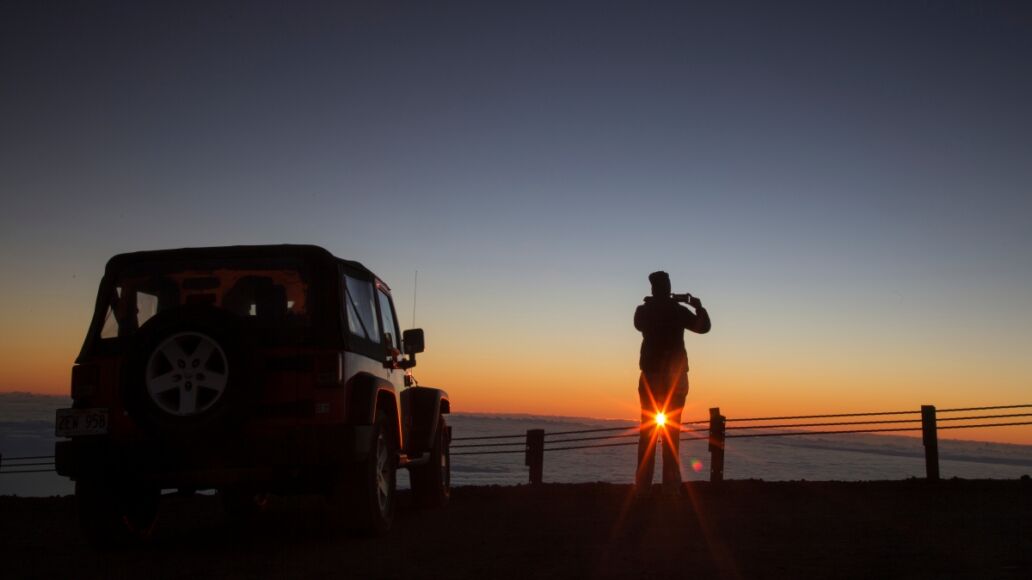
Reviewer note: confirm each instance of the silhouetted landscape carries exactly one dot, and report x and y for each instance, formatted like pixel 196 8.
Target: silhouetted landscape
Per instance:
pixel 744 529
pixel 220 218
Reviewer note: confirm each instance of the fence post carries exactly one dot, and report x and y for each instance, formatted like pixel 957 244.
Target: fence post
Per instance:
pixel 931 442
pixel 716 445
pixel 535 454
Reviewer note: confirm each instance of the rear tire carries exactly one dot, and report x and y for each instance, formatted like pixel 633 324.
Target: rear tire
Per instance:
pixel 431 483
pixel 241 506
pixel 364 492
pixel 115 514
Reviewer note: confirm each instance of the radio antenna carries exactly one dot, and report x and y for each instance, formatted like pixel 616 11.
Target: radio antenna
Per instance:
pixel 415 290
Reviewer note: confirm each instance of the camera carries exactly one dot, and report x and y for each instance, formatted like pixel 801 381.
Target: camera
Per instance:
pixel 686 297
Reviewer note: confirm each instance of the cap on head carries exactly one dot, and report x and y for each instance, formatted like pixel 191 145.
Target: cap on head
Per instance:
pixel 660 283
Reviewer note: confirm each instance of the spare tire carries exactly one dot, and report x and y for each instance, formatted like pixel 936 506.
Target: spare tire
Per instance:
pixel 189 375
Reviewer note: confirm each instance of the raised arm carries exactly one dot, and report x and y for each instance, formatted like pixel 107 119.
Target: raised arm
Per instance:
pixel 700 321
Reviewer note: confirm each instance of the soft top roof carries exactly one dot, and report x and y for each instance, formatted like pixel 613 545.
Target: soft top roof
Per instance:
pixel 300 251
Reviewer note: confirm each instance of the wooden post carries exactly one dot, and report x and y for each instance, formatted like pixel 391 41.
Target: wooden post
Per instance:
pixel 716 445
pixel 931 442
pixel 535 454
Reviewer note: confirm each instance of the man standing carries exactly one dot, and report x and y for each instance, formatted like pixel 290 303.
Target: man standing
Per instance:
pixel 663 384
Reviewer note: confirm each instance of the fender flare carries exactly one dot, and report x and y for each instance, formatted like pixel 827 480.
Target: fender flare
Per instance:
pixel 365 396
pixel 421 406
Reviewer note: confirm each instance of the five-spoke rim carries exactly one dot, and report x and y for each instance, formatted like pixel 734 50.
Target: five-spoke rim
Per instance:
pixel 187 374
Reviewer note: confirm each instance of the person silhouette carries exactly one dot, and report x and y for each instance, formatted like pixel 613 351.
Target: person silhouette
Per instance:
pixel 663 383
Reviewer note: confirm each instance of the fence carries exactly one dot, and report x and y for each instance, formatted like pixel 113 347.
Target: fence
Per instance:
pixel 535 442
pixel 36 464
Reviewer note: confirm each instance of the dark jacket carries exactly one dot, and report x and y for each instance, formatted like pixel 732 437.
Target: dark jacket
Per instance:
pixel 662 322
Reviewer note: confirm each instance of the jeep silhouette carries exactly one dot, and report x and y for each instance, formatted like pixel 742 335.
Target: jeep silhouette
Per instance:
pixel 251 370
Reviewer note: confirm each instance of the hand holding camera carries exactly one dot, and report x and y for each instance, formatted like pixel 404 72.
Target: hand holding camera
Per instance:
pixel 692 301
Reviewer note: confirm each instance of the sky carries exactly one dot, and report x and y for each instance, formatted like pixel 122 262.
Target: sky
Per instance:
pixel 847 186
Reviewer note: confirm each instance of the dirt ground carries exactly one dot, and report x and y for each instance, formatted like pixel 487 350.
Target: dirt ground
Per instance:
pixel 743 529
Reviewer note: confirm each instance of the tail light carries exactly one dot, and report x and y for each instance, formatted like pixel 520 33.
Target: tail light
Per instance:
pixel 85 382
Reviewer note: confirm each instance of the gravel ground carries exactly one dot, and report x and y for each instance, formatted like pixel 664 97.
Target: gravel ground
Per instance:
pixel 742 529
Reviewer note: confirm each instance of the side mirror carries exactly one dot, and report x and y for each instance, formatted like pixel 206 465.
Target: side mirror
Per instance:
pixel 413 340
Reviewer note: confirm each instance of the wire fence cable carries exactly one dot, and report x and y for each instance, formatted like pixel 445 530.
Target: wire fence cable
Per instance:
pixel 17 464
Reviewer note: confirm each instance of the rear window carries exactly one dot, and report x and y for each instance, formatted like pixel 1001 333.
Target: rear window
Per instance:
pixel 265 298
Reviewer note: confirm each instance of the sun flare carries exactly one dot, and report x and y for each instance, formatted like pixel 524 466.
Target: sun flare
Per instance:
pixel 660 419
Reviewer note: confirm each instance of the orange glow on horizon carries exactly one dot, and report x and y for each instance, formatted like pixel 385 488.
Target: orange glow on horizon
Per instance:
pixel 501 380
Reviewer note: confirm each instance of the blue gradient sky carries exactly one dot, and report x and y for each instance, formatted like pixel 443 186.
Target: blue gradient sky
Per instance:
pixel 848 186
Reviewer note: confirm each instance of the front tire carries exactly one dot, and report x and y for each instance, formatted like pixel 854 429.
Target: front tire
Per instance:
pixel 431 483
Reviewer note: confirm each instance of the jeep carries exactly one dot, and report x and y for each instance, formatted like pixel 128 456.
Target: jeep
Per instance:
pixel 249 370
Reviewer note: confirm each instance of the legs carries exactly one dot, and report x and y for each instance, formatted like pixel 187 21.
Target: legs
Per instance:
pixel 646 450
pixel 671 441
pixel 660 393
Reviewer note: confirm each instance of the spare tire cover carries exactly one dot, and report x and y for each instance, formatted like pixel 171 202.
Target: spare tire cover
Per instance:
pixel 190 374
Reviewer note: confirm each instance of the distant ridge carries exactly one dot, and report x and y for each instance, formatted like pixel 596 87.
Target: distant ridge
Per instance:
pixel 538 417
pixel 25 406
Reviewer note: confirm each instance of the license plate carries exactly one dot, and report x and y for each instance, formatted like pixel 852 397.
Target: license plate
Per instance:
pixel 75 422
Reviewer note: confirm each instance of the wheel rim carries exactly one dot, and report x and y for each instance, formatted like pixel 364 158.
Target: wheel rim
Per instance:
pixel 187 374
pixel 445 471
pixel 383 474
